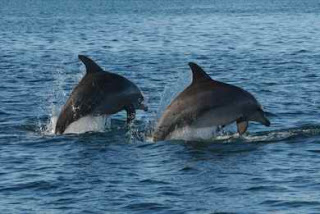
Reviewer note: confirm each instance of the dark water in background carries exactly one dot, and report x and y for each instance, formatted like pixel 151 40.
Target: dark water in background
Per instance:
pixel 270 48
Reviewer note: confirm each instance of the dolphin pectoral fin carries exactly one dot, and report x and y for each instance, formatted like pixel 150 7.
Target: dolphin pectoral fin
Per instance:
pixel 242 126
pixel 131 113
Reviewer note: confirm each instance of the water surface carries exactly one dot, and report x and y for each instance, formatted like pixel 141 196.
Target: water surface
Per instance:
pixel 270 48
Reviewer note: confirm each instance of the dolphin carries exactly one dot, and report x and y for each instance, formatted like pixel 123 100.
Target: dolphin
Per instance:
pixel 100 93
pixel 206 103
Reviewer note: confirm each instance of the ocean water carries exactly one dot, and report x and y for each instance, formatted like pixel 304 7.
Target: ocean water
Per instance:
pixel 270 48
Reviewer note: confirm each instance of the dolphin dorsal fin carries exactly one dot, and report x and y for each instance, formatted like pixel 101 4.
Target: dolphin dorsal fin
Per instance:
pixel 91 66
pixel 198 74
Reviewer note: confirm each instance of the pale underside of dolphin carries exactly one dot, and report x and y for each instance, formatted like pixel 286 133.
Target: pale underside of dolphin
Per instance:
pixel 100 93
pixel 209 103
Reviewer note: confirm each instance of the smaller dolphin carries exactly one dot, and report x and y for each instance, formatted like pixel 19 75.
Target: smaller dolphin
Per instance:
pixel 100 92
pixel 206 103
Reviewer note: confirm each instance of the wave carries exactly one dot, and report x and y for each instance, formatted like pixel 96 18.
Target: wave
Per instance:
pixel 208 135
pixel 141 130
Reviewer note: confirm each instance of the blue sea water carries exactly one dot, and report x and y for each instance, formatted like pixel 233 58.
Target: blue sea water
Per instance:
pixel 270 48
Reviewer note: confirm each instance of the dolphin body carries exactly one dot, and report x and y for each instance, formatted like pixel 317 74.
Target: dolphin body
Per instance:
pixel 206 103
pixel 100 92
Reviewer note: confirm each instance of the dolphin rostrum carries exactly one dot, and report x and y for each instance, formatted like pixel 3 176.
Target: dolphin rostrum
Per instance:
pixel 206 103
pixel 100 93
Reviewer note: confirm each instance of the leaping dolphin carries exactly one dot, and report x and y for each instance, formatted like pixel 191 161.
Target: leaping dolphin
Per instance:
pixel 206 103
pixel 100 92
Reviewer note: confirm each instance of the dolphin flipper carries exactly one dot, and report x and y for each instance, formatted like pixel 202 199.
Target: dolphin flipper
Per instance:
pixel 131 113
pixel 242 126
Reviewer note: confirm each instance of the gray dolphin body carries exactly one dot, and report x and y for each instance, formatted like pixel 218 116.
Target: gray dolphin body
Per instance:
pixel 100 92
pixel 206 103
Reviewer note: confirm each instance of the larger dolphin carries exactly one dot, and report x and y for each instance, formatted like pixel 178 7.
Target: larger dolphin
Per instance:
pixel 100 92
pixel 206 103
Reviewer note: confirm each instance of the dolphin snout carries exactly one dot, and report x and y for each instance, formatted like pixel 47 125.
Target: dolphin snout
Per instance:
pixel 259 116
pixel 266 122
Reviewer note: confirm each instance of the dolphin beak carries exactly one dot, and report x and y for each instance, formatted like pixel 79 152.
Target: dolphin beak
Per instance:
pixel 265 121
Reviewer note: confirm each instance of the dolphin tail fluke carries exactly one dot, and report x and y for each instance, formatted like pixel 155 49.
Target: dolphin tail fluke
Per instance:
pixel 91 66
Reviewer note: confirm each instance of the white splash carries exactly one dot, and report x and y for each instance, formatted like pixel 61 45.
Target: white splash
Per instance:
pixel 172 90
pixel 189 133
pixel 271 136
